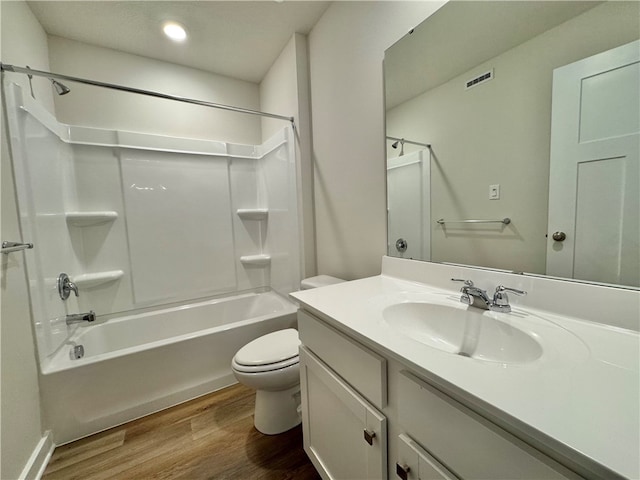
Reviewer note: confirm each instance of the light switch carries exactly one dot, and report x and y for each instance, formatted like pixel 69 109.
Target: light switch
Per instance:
pixel 494 192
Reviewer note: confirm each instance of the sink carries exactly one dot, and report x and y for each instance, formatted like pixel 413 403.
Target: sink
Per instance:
pixel 464 331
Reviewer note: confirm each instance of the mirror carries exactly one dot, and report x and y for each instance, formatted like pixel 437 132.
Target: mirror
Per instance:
pixel 474 82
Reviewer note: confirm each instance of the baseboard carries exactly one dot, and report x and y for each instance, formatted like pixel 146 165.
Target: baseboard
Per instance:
pixel 39 459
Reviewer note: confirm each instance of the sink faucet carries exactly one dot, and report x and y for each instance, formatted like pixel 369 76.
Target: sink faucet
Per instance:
pixel 472 295
pixel 476 297
pixel 81 317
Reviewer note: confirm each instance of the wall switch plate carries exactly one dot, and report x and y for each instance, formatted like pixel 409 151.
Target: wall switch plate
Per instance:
pixel 494 192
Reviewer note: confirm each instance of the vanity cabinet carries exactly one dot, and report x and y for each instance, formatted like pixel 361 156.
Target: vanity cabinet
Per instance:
pixel 343 388
pixel 470 445
pixel 363 369
pixel 432 436
pixel 344 436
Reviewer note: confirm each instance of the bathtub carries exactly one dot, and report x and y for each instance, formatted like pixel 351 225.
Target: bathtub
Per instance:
pixel 138 364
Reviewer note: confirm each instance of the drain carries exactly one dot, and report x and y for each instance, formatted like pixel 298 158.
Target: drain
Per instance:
pixel 76 352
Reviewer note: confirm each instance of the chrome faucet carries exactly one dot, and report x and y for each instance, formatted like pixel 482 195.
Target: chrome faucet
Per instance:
pixel 473 296
pixel 476 297
pixel 81 317
pixel 501 300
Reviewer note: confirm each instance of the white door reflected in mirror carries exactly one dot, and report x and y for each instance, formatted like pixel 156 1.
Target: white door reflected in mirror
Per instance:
pixel 594 189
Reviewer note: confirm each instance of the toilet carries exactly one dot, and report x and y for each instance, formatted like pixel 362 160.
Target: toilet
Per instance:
pixel 319 281
pixel 270 365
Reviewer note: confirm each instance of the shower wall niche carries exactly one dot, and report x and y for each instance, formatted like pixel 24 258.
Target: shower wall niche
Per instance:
pixel 138 221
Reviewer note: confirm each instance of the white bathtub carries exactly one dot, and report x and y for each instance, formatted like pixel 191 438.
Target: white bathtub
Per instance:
pixel 138 364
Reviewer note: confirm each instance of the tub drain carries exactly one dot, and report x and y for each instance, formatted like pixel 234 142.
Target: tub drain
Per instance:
pixel 76 352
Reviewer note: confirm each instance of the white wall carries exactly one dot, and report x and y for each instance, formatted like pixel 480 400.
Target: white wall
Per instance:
pixel 346 50
pixel 501 131
pixel 99 107
pixel 23 43
pixel 285 90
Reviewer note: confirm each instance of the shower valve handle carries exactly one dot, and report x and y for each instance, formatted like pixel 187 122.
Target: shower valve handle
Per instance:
pixel 66 286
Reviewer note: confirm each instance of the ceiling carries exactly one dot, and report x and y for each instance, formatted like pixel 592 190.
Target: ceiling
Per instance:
pixel 452 41
pixel 239 39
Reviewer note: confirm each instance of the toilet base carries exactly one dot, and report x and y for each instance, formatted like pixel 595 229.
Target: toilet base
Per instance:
pixel 277 412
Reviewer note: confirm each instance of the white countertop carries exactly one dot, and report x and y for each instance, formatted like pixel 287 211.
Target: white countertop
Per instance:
pixel 584 397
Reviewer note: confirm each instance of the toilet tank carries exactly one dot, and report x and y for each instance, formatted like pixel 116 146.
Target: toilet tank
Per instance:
pixel 319 281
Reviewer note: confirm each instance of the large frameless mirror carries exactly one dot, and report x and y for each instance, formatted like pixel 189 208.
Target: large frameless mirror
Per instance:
pixel 512 139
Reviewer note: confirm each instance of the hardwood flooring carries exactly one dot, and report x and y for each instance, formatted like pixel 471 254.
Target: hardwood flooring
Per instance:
pixel 211 437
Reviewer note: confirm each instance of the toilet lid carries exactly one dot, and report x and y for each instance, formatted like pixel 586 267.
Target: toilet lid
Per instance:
pixel 271 348
pixel 270 367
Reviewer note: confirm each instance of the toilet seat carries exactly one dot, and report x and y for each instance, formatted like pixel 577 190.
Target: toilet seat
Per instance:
pixel 270 352
pixel 269 367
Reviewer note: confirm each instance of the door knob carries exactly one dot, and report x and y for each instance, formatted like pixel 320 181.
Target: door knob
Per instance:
pixel 559 236
pixel 401 245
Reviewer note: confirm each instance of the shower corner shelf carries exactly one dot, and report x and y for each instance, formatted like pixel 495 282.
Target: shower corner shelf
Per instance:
pixel 90 280
pixel 261 260
pixel 87 219
pixel 253 213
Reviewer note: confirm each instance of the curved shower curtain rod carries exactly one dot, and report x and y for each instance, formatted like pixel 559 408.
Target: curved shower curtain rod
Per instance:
pixel 39 73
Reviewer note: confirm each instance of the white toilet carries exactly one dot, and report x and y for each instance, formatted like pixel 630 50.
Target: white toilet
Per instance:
pixel 270 364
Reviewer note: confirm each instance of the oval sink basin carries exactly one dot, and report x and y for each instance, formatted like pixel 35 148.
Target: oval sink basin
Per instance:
pixel 464 331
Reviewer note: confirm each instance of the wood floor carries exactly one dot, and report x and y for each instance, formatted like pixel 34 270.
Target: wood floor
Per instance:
pixel 212 437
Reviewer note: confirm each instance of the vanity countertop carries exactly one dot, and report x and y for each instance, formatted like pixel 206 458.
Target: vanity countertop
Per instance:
pixel 581 401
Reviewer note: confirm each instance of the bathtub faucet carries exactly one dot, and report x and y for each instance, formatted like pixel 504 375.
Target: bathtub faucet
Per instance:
pixel 81 317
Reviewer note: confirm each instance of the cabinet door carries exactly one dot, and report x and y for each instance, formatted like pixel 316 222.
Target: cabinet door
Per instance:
pixel 345 437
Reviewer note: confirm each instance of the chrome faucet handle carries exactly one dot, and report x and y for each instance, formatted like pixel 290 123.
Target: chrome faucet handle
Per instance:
pixel 501 299
pixel 66 286
pixel 472 295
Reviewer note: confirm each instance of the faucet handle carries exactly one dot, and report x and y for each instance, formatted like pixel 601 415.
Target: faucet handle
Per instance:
pixel 464 298
pixel 66 286
pixel 502 288
pixel 501 300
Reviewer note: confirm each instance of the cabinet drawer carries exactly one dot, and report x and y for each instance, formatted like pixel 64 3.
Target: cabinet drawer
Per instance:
pixel 466 443
pixel 363 369
pixel 415 463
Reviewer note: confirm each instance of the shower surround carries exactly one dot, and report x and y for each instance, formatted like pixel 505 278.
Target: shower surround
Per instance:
pixel 143 224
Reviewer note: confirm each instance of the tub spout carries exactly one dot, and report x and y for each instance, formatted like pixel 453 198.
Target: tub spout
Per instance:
pixel 81 317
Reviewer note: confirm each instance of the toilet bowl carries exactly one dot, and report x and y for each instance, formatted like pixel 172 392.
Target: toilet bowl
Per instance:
pixel 270 365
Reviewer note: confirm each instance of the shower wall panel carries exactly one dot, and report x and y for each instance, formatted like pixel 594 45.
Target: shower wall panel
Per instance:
pixel 249 234
pixel 178 212
pixel 101 247
pixel 278 182
pixel 44 174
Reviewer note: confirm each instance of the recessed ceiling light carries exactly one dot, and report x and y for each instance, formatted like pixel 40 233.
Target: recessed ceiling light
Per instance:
pixel 174 31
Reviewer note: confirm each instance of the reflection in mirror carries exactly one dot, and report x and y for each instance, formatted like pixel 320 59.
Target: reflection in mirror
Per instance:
pixel 476 81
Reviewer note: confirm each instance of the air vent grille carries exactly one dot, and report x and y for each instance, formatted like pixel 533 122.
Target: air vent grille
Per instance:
pixel 483 78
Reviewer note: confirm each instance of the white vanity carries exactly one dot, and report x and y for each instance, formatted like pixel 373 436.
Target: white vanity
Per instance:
pixel 401 380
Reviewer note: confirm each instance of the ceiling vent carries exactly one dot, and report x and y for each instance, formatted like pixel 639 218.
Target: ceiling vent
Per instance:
pixel 483 78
